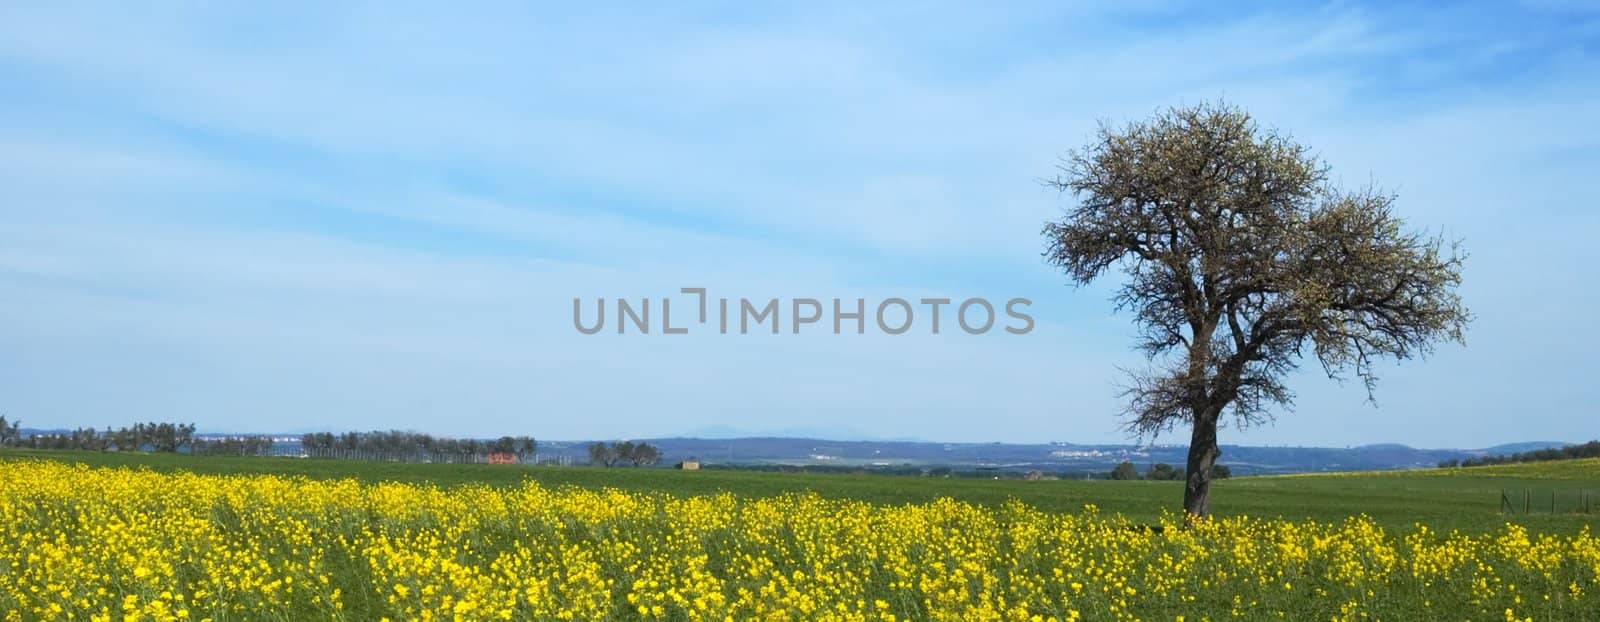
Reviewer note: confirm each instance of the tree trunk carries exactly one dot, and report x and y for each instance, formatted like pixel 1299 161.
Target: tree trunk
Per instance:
pixel 1203 453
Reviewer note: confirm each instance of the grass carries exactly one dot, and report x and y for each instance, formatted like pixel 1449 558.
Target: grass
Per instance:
pixel 1444 499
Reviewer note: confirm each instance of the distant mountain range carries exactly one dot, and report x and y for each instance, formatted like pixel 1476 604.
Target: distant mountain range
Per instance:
pixel 1066 458
pixel 1049 457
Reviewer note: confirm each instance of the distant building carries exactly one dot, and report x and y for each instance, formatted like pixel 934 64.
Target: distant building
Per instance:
pixel 1034 476
pixel 689 465
pixel 502 458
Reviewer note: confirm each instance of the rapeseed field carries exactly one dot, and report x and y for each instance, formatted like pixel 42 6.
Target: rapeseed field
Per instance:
pixel 81 543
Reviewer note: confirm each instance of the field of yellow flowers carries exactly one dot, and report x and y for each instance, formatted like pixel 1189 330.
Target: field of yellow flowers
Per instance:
pixel 80 543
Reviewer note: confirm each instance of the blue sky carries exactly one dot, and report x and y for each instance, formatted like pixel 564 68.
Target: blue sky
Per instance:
pixel 307 217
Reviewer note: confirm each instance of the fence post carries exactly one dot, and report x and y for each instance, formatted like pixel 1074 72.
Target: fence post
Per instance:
pixel 1527 500
pixel 1505 503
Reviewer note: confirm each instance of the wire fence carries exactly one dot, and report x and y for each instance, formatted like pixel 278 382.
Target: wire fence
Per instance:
pixel 1529 501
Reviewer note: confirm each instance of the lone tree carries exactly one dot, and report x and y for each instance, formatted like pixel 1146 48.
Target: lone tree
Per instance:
pixel 602 454
pixel 1240 257
pixel 644 454
pixel 10 433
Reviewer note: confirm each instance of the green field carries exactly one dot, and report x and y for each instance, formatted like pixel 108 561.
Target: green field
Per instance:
pixel 175 537
pixel 1444 499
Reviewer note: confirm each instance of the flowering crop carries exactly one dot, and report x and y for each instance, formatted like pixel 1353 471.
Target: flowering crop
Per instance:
pixel 102 544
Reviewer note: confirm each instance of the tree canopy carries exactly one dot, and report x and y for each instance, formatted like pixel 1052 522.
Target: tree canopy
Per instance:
pixel 1240 258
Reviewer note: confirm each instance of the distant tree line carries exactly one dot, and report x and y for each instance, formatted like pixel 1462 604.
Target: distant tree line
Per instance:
pixel 401 443
pixel 624 452
pixel 233 446
pixel 180 438
pixel 1162 471
pixel 1590 449
pixel 158 437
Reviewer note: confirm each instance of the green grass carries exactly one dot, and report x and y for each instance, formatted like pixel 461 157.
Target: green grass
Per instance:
pixel 1443 499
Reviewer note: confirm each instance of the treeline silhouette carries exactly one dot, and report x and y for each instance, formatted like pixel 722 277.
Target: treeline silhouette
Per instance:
pixel 391 446
pixel 624 452
pixel 1162 471
pixel 1590 449
pixel 158 437
pixel 401 446
pixel 233 446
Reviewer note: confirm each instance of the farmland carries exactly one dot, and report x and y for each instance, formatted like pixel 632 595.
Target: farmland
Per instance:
pixel 1446 499
pixel 180 537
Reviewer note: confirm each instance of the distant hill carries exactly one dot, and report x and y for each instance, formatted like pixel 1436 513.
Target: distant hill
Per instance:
pixel 1517 448
pixel 1049 457
pixel 1058 457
